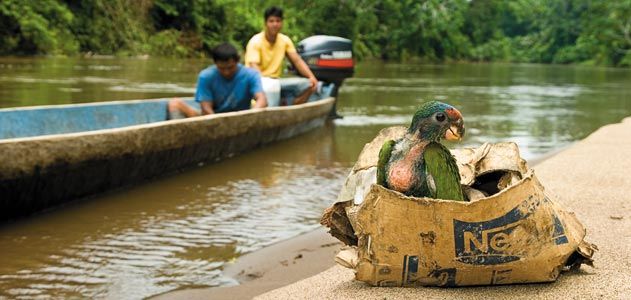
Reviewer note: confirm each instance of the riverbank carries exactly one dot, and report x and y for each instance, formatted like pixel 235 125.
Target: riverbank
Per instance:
pixel 272 267
pixel 589 178
pixel 280 264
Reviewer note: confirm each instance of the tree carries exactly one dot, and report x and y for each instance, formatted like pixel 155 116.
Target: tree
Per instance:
pixel 35 27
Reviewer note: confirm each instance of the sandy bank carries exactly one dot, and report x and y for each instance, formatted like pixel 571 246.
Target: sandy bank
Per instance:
pixel 591 178
pixel 271 267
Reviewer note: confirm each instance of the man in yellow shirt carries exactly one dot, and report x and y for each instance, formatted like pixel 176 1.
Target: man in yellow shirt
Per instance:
pixel 267 50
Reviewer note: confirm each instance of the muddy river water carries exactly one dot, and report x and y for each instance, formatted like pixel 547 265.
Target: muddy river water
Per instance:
pixel 178 231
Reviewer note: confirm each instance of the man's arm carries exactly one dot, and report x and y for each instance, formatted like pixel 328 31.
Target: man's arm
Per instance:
pixel 252 56
pixel 204 93
pixel 303 69
pixel 261 100
pixel 255 66
pixel 207 107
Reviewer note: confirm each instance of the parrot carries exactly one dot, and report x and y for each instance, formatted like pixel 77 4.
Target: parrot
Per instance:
pixel 418 164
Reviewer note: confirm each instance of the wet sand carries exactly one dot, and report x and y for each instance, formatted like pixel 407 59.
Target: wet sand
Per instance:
pixel 590 178
pixel 271 267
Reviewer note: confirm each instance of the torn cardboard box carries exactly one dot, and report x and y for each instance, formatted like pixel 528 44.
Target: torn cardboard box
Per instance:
pixel 511 231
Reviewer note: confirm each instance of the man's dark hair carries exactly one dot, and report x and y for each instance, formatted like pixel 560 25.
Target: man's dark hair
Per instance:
pixel 273 11
pixel 225 52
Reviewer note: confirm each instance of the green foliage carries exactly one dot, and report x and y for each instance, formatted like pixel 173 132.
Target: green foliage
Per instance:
pixel 608 37
pixel 111 26
pixel 497 49
pixel 550 31
pixel 539 31
pixel 167 43
pixel 35 27
pixel 319 19
pixel 200 22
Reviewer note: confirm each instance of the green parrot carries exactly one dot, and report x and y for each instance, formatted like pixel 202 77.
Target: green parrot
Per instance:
pixel 418 164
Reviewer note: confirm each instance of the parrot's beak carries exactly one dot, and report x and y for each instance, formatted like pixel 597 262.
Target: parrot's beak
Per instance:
pixel 455 132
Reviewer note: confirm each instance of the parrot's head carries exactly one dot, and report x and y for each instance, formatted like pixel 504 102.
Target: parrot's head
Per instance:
pixel 435 120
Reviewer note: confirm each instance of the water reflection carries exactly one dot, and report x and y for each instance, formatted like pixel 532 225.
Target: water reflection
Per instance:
pixel 175 232
pixel 179 231
pixel 542 108
pixel 42 81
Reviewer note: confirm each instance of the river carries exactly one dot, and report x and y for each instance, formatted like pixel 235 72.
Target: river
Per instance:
pixel 178 231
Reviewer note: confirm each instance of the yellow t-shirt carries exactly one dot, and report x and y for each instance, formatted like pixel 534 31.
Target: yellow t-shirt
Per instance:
pixel 270 57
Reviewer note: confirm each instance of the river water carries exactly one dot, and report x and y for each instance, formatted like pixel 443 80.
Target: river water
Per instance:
pixel 178 231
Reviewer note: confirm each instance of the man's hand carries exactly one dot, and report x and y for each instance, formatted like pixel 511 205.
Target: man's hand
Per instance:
pixel 207 108
pixel 314 83
pixel 261 100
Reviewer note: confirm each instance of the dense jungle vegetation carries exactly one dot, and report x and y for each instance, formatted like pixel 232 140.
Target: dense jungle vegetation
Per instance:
pixel 539 31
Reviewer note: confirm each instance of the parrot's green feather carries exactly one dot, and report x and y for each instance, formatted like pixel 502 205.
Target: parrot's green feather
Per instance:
pixel 443 168
pixel 384 158
pixel 422 166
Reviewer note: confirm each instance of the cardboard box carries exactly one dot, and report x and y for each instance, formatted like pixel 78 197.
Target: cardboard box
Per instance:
pixel 511 231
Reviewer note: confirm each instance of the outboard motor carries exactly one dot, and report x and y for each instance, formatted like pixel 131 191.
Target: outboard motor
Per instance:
pixel 330 58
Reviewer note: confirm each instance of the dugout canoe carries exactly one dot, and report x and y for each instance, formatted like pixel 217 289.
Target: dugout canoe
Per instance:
pixel 60 153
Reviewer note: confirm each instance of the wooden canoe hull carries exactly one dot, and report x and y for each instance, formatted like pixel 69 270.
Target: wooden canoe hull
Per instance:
pixel 45 171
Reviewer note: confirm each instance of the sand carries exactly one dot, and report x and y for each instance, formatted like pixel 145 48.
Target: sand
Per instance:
pixel 591 178
pixel 272 267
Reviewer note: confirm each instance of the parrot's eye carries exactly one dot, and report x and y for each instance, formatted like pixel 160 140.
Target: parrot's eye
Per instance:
pixel 440 117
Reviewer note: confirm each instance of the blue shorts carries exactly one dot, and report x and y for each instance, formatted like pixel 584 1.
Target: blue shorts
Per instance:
pixel 290 88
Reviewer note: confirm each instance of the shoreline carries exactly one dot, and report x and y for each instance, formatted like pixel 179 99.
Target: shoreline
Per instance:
pixel 589 179
pixel 271 267
pixel 284 262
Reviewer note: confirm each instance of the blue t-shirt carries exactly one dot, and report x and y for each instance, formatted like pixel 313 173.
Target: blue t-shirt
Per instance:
pixel 228 95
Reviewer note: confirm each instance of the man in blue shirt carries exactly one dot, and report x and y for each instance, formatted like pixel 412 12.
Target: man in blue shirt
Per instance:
pixel 226 86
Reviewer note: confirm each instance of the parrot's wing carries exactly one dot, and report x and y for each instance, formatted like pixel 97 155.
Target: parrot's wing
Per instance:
pixel 443 178
pixel 384 158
